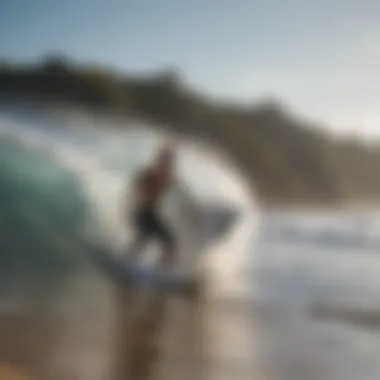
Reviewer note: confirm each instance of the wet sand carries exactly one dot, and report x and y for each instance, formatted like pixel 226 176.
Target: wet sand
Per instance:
pixel 94 330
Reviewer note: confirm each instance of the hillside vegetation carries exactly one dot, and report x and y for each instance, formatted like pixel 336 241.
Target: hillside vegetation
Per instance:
pixel 286 160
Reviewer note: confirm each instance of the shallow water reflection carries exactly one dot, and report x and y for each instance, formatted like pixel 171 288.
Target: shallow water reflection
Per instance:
pixel 89 329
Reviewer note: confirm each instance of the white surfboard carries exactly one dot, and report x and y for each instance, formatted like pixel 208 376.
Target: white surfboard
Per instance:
pixel 147 276
pixel 129 273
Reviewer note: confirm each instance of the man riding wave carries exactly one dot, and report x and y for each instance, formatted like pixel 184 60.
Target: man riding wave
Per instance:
pixel 150 186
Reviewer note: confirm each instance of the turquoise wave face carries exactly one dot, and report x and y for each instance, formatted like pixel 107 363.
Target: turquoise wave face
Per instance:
pixel 35 188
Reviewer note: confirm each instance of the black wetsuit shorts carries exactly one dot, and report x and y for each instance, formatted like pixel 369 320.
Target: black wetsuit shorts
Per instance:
pixel 149 225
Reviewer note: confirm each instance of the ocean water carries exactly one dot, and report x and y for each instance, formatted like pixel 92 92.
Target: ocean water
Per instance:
pixel 291 294
pixel 319 277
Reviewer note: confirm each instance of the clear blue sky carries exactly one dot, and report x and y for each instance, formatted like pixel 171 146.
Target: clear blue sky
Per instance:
pixel 321 57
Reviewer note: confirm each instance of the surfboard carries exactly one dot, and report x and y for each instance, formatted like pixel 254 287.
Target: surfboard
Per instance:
pixel 155 277
pixel 128 272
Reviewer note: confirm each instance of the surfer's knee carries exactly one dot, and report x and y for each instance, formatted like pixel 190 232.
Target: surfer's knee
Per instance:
pixel 167 238
pixel 169 248
pixel 168 255
pixel 171 242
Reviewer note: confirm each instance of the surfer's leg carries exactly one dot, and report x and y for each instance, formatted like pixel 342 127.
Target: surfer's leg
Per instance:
pixel 143 232
pixel 168 242
pixel 137 245
pixel 168 254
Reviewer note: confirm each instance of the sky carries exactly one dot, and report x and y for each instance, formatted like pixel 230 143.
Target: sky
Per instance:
pixel 321 58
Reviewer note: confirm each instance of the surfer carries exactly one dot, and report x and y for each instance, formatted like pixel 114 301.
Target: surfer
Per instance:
pixel 150 185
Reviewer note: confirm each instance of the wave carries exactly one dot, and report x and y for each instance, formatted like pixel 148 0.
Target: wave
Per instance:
pixel 369 318
pixel 30 179
pixel 49 183
pixel 350 232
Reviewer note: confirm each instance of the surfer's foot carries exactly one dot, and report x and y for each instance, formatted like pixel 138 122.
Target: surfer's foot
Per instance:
pixel 192 292
pixel 165 264
pixel 168 258
pixel 135 249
